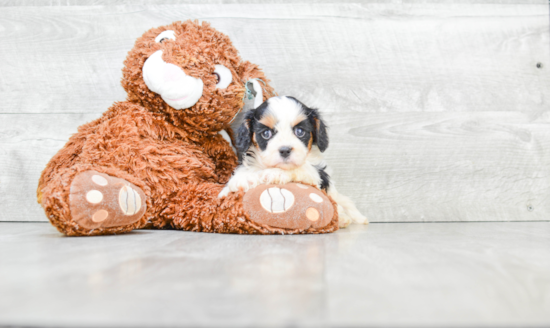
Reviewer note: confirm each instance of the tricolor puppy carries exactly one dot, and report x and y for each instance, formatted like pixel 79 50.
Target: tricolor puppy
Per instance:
pixel 281 141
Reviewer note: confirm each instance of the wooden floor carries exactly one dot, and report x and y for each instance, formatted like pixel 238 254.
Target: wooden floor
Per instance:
pixel 382 275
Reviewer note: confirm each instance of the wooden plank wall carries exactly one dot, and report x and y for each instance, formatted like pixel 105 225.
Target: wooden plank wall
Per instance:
pixel 438 111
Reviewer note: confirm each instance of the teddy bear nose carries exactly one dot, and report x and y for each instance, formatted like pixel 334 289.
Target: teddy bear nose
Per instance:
pixel 285 151
pixel 173 73
pixel 177 89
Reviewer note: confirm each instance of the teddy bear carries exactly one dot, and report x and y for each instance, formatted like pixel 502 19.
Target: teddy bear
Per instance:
pixel 159 159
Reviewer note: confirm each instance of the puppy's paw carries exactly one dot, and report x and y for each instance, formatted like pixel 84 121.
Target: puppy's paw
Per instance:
pixel 275 176
pixel 361 219
pixel 243 182
pixel 343 219
pixel 356 216
pixel 224 192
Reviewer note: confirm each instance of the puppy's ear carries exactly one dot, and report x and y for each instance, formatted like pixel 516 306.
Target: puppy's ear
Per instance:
pixel 320 135
pixel 244 134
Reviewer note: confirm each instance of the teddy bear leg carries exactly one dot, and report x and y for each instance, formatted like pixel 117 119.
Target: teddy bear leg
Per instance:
pixel 90 202
pixel 267 209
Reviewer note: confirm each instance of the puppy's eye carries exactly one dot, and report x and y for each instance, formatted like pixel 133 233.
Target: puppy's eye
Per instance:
pixel 299 132
pixel 223 76
pixel 165 36
pixel 266 134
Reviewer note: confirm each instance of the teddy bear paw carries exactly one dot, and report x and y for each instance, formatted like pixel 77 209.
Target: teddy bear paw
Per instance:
pixel 292 206
pixel 99 200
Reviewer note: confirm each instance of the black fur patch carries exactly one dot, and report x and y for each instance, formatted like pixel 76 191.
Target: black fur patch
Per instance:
pixel 251 126
pixel 258 128
pixel 325 178
pixel 319 128
pixel 308 129
pixel 244 135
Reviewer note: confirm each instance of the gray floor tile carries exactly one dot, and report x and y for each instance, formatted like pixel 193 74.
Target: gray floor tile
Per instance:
pixel 421 274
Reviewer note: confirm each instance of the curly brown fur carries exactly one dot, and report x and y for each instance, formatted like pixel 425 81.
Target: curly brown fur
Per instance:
pixel 176 157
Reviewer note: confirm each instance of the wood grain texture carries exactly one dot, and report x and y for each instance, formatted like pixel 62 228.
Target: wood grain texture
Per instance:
pixel 64 3
pixel 437 112
pixel 368 58
pixel 27 142
pixel 49 3
pixel 443 166
pixel 398 167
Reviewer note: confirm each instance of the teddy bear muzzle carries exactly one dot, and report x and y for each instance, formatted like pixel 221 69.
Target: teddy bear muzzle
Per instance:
pixel 176 88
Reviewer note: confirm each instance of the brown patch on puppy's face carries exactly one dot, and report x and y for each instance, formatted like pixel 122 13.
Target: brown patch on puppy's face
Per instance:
pixel 268 120
pixel 299 119
pixel 254 142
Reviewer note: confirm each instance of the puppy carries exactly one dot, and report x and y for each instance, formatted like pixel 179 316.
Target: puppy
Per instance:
pixel 281 141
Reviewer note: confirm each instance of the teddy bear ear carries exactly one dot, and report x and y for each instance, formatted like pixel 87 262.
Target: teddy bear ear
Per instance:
pixel 251 72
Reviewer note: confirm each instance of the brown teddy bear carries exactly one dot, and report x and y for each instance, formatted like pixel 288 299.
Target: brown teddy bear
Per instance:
pixel 158 159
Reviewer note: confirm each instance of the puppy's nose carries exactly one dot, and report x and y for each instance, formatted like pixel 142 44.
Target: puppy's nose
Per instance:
pixel 285 151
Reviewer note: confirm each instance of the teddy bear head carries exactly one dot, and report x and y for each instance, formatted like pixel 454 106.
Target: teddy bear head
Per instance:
pixel 193 74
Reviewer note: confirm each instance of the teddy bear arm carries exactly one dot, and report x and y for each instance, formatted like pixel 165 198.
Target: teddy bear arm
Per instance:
pixel 223 156
pixel 133 140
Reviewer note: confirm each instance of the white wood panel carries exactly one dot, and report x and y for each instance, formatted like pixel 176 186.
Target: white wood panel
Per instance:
pixel 27 142
pixel 487 166
pixel 437 112
pixel 398 167
pixel 13 3
pixel 369 58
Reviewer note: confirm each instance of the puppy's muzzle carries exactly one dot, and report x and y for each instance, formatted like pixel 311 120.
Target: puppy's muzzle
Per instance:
pixel 285 151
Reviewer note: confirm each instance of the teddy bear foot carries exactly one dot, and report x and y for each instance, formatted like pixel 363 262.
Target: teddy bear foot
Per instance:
pixel 98 200
pixel 293 206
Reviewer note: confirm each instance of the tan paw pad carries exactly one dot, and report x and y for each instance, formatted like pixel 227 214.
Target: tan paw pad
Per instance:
pixel 100 216
pixel 99 180
pixel 312 214
pixel 94 196
pixel 316 198
pixel 276 200
pixel 129 200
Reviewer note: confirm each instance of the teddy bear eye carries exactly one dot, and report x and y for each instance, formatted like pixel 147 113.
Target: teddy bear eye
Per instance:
pixel 266 134
pixel 223 76
pixel 217 76
pixel 165 35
